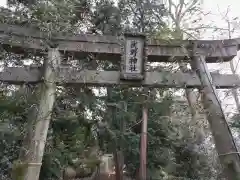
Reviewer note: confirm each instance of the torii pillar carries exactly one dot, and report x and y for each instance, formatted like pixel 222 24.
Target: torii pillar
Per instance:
pixel 224 142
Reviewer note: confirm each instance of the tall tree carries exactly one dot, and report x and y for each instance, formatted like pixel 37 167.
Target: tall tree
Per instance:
pixel 186 12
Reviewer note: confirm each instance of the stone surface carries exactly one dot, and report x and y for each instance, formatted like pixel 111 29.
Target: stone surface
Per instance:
pixel 68 76
pixel 18 39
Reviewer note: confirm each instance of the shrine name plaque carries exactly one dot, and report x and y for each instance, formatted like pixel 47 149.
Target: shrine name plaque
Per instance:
pixel 133 49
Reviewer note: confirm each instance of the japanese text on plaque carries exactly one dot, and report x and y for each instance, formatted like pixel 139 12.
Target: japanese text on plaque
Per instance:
pixel 133 56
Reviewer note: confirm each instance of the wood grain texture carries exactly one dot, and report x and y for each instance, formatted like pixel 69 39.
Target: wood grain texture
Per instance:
pixel 69 76
pixel 17 39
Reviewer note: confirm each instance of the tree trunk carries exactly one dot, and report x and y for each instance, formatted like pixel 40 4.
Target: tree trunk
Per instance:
pixel 30 160
pixel 143 148
pixel 189 93
pixel 111 110
pixel 118 154
pixel 224 142
pixel 118 164
pixel 234 90
pixel 183 67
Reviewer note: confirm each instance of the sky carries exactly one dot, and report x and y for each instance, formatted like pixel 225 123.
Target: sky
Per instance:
pixel 3 2
pixel 222 4
pixel 215 8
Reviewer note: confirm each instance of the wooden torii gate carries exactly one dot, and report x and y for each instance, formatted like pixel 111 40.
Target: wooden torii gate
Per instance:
pixel 133 51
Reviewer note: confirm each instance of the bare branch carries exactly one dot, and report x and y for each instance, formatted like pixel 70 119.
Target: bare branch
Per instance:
pixel 181 4
pixel 171 4
pixel 206 27
pixel 194 2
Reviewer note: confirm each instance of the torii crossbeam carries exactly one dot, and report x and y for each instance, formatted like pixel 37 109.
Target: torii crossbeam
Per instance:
pixel 108 47
pixel 131 51
pixel 21 39
pixel 68 76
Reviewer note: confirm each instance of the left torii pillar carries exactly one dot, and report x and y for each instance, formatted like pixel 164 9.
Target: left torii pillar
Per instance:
pixel 31 154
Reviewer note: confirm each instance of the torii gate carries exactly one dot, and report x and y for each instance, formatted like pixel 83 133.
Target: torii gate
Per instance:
pixel 123 49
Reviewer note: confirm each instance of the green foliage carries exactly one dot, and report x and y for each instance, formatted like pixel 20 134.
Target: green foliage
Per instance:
pixel 236 121
pixel 18 170
pixel 50 16
pixel 143 15
pixel 107 17
pixel 13 115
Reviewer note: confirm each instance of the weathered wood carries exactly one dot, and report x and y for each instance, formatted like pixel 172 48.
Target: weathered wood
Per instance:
pixel 133 57
pixel 225 145
pixel 42 118
pixel 68 76
pixel 18 39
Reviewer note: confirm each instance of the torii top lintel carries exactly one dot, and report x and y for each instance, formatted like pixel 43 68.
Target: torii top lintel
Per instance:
pixel 18 39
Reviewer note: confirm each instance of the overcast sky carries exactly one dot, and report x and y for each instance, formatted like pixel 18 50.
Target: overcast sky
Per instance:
pixel 213 6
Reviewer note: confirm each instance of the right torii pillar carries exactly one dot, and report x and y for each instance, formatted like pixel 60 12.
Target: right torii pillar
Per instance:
pixel 224 142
